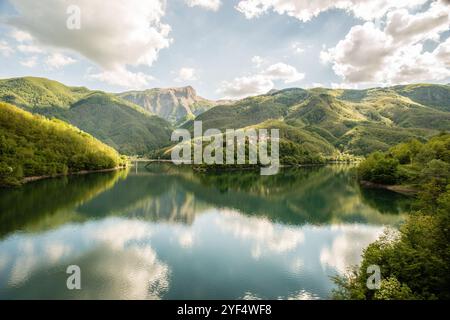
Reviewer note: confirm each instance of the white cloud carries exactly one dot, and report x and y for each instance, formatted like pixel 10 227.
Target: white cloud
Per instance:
pixel 58 60
pixel 213 5
pixel 246 86
pixel 5 49
pixel 186 74
pixel 136 271
pixel 257 61
pixel 29 48
pixel 29 62
pixel 266 237
pixel 342 254
pixel 305 10
pixel 442 53
pixel 298 48
pixel 396 53
pixel 285 72
pixel 21 36
pixel 123 32
pixel 406 28
pixel 123 78
pixel 260 83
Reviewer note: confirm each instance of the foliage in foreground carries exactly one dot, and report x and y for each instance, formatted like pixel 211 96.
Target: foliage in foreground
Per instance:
pixel 32 145
pixel 412 162
pixel 415 261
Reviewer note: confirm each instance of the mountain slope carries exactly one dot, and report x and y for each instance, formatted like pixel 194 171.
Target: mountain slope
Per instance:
pixel 436 96
pixel 126 127
pixel 176 105
pixel 353 121
pixel 119 123
pixel 336 120
pixel 31 145
pixel 31 92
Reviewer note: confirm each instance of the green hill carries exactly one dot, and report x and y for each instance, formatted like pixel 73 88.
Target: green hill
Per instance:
pixel 348 121
pixel 436 96
pixel 422 242
pixel 31 92
pixel 121 124
pixel 329 121
pixel 32 145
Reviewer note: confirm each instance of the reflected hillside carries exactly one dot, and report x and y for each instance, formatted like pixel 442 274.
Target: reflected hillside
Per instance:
pixel 48 202
pixel 300 195
pixel 151 197
pixel 168 193
pixel 318 195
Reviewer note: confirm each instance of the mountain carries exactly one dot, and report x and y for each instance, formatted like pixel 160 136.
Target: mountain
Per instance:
pixel 32 145
pixel 350 121
pixel 435 96
pixel 31 92
pixel 176 105
pixel 121 124
pixel 125 127
pixel 319 121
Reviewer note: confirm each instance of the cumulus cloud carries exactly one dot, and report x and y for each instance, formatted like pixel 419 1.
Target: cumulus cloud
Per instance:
pixel 305 10
pixel 394 54
pixel 442 53
pixel 262 82
pixel 246 86
pixel 186 74
pixel 212 5
pixel 123 78
pixel 134 37
pixel 58 60
pixel 285 72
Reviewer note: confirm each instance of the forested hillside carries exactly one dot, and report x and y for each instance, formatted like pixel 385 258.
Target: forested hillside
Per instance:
pixel 121 124
pixel 31 145
pixel 327 123
pixel 414 262
pixel 351 121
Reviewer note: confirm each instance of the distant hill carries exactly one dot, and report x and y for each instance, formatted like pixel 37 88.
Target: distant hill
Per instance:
pixel 31 145
pixel 330 122
pixel 350 121
pixel 121 124
pixel 176 105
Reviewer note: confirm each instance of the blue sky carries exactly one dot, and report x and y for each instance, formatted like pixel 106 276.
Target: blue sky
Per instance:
pixel 232 48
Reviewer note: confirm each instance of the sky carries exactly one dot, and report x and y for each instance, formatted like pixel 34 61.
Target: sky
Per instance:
pixel 226 48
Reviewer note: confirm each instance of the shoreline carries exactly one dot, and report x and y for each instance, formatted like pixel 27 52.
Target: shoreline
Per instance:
pixel 402 189
pixel 83 172
pixel 204 169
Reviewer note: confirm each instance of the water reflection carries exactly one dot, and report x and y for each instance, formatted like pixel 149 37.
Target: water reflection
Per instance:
pixel 170 233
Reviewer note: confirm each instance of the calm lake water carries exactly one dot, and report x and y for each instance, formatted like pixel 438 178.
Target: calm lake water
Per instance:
pixel 165 232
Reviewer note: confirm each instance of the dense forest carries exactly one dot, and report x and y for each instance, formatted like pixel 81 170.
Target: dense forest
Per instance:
pixel 32 145
pixel 125 126
pixel 414 261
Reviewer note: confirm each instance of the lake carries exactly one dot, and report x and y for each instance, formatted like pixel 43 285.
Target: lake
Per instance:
pixel 166 232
